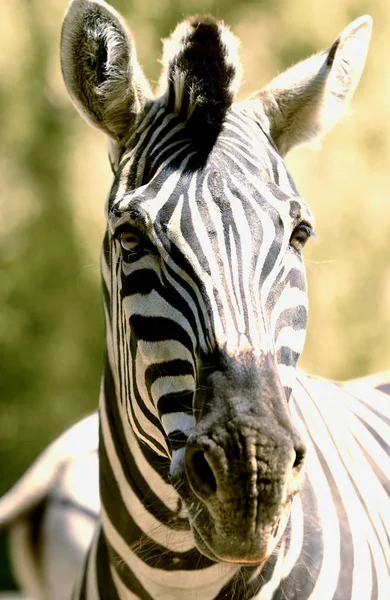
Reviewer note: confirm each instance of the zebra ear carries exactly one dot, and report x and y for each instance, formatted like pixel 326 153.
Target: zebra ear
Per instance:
pixel 306 101
pixel 100 68
pixel 201 72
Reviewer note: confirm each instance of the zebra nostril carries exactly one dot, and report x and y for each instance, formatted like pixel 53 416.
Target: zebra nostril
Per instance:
pixel 300 453
pixel 200 473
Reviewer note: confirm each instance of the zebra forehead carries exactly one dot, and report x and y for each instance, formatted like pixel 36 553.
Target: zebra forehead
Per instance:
pixel 241 164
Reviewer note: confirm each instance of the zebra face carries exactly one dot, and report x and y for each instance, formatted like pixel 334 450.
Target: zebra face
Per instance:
pixel 203 277
pixel 212 316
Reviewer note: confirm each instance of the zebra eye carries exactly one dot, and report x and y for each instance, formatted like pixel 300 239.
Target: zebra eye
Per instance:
pixel 130 240
pixel 300 235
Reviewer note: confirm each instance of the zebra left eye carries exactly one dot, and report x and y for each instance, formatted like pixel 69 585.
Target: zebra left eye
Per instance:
pixel 300 235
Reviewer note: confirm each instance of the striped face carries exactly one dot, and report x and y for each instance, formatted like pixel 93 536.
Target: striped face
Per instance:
pixel 204 264
pixel 206 297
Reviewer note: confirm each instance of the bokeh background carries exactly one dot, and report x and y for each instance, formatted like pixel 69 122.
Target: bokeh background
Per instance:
pixel 55 177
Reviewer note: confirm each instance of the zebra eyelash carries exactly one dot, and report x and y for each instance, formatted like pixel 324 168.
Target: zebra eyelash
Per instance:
pixel 307 228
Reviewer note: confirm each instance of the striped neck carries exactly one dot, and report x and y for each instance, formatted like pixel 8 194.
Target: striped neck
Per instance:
pixel 146 536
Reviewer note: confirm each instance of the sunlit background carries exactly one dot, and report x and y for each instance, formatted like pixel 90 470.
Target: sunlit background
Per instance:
pixel 55 177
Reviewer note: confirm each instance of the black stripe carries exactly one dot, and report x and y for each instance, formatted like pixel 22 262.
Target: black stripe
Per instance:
pixel 296 278
pixel 384 387
pixel 287 356
pixel 105 583
pixel 177 439
pixel 175 403
pixel 187 226
pixel 374 583
pixel 158 329
pixel 141 281
pixel 384 444
pixel 273 254
pixel 367 404
pixel 292 317
pixel 83 589
pixel 177 145
pixel 171 368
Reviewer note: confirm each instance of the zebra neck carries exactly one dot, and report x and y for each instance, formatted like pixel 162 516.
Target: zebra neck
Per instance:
pixel 145 546
pixel 145 535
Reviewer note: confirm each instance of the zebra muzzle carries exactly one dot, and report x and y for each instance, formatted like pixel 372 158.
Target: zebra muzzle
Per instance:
pixel 242 504
pixel 243 464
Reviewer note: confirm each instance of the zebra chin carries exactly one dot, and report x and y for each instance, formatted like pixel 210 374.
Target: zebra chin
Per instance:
pixel 243 531
pixel 244 548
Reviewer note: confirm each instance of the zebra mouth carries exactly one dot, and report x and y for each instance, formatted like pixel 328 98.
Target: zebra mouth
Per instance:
pixel 247 559
pixel 249 544
pixel 246 542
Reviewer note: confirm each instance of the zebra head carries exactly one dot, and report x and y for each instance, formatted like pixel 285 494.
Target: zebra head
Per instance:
pixel 204 282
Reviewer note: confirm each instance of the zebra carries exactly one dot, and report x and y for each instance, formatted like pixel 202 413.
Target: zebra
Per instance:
pixel 224 471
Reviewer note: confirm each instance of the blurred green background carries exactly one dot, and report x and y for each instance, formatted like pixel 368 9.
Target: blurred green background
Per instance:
pixel 55 177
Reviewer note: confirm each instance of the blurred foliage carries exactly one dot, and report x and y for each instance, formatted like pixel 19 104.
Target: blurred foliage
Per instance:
pixel 54 171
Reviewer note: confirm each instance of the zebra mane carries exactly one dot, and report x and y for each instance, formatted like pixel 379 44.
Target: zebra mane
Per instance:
pixel 201 73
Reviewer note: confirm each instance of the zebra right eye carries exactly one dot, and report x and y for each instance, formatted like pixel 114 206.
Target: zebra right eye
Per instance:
pixel 300 235
pixel 130 240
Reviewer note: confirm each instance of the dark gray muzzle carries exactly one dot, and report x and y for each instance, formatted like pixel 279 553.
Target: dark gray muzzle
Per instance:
pixel 243 463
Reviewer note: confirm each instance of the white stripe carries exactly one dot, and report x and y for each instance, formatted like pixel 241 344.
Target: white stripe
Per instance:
pixel 287 375
pixel 236 281
pixel 215 214
pixel 291 338
pixel 154 205
pixel 173 384
pixel 178 421
pixel 327 578
pixel 246 246
pixel 214 280
pixel 296 537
